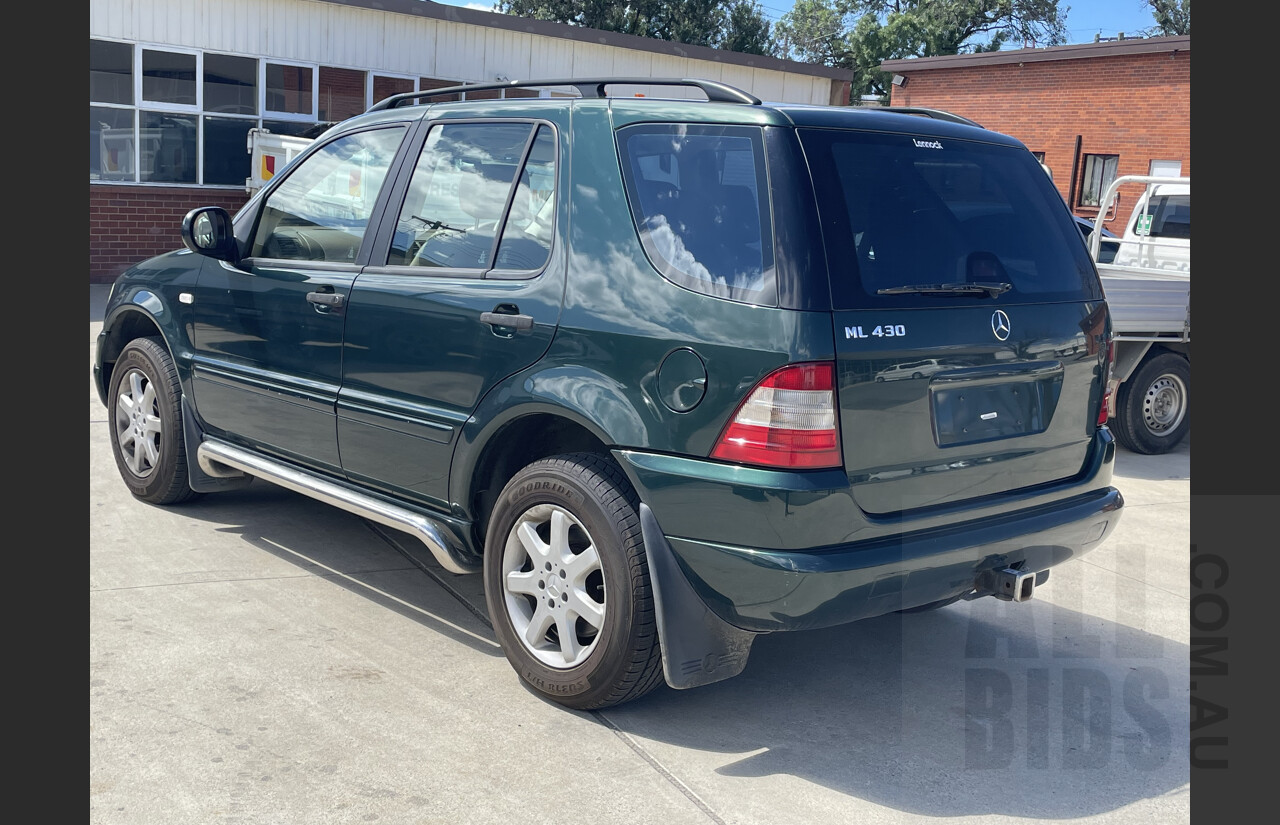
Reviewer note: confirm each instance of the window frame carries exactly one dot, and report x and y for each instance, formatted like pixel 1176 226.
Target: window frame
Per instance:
pixel 133 74
pixel 147 104
pixel 371 75
pixel 1104 180
pixel 273 114
pixel 258 91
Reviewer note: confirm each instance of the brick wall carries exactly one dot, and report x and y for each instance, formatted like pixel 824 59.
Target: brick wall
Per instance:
pixel 1135 106
pixel 128 224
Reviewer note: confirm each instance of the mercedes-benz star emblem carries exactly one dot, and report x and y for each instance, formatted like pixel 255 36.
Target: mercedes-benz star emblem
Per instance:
pixel 1000 325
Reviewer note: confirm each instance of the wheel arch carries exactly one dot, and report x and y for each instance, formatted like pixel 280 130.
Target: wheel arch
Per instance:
pixel 541 412
pixel 126 323
pixel 483 466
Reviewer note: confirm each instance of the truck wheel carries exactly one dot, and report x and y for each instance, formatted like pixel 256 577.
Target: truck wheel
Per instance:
pixel 567 584
pixel 1153 407
pixel 146 423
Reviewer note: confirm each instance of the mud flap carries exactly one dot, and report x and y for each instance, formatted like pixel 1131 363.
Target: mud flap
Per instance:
pixel 197 478
pixel 698 647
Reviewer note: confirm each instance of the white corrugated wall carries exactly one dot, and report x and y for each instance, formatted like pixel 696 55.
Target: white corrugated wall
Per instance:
pixel 328 34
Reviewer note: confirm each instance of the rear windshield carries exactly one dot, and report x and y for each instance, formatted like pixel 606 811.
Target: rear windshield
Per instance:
pixel 902 211
pixel 1170 217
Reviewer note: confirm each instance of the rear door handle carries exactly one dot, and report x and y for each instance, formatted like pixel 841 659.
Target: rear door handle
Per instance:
pixel 502 319
pixel 327 299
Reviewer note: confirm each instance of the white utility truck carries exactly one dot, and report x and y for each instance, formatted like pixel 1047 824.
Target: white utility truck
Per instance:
pixel 269 154
pixel 1148 289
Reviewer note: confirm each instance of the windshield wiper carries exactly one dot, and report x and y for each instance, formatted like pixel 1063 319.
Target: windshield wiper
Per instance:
pixel 989 289
pixel 437 226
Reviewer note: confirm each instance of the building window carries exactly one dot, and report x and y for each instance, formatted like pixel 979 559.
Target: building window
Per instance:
pixel 425 83
pixel 289 89
pixel 169 116
pixel 1099 172
pixel 110 72
pixel 168 77
pixel 167 147
pixel 111 155
pixel 230 84
pixel 341 93
pixel 1039 156
pixel 385 86
pixel 225 160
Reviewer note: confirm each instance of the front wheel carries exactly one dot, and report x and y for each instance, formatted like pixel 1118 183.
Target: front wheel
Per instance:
pixel 567 583
pixel 146 423
pixel 1153 407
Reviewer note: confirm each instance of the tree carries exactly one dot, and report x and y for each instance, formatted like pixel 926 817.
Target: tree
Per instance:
pixel 747 30
pixel 861 34
pixel 1172 17
pixel 739 25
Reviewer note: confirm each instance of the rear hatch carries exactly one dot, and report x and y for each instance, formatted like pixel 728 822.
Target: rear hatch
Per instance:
pixel 969 322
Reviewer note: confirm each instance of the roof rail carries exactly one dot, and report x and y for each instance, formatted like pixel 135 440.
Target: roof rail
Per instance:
pixel 587 87
pixel 936 114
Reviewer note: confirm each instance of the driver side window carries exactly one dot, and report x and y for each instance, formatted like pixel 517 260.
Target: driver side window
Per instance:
pixel 320 212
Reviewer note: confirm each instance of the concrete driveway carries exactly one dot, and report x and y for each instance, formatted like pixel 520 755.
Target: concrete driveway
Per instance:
pixel 259 657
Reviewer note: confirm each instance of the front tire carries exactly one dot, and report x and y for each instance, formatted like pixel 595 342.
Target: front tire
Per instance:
pixel 1153 407
pixel 145 422
pixel 567 583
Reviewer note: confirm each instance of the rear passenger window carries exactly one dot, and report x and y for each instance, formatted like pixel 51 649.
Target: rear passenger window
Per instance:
pixel 526 237
pixel 453 210
pixel 698 198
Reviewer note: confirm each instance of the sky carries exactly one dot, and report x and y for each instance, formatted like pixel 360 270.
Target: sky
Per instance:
pixel 1085 19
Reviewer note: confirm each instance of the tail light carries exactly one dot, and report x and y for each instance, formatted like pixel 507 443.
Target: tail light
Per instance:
pixel 1107 408
pixel 787 420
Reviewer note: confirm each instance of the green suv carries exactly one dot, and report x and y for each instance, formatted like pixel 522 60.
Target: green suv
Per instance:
pixel 619 356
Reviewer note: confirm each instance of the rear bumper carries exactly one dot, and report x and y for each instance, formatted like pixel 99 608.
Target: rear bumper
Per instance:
pixel 802 581
pixel 763 591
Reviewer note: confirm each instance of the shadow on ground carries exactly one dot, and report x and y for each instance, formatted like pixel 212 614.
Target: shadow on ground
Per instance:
pixel 981 708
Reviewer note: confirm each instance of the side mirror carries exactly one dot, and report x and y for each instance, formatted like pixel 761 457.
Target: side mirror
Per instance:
pixel 208 231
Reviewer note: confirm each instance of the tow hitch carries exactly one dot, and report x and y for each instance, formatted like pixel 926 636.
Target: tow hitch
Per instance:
pixel 1009 584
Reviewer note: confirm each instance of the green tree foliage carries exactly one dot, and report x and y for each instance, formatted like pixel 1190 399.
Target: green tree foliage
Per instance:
pixel 1172 17
pixel 738 25
pixel 747 30
pixel 861 34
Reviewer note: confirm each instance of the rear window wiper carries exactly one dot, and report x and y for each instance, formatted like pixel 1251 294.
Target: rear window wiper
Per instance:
pixel 988 289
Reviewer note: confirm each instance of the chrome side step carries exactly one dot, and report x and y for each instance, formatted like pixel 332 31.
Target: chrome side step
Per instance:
pixel 216 456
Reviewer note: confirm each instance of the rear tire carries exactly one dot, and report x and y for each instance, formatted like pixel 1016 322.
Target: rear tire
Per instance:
pixel 1153 407
pixel 567 583
pixel 145 422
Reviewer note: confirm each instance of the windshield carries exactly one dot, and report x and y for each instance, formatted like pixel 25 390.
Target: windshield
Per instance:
pixel 921 221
